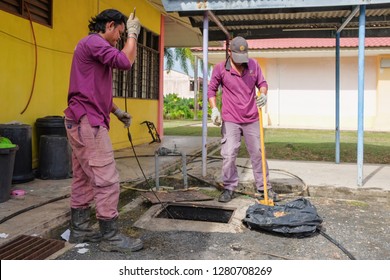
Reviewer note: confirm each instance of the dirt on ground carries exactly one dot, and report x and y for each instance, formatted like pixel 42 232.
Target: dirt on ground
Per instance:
pixel 350 230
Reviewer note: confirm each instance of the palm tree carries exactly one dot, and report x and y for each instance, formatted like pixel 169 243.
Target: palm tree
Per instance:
pixel 182 55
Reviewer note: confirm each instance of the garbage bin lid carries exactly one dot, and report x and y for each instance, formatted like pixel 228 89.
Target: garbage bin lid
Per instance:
pixel 5 143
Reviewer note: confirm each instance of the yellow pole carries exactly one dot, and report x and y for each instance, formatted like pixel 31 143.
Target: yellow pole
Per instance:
pixel 266 200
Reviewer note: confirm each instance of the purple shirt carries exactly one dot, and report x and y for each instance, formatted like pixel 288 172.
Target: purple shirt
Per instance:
pixel 90 87
pixel 238 92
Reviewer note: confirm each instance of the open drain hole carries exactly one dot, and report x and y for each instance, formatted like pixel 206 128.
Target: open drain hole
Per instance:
pixel 192 212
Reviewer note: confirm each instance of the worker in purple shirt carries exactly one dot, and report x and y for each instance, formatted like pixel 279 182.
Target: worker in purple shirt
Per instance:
pixel 239 77
pixel 87 121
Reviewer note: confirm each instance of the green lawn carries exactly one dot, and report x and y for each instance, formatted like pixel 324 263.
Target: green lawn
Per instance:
pixel 302 144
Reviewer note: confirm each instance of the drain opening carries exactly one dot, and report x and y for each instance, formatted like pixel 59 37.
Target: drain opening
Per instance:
pixel 196 213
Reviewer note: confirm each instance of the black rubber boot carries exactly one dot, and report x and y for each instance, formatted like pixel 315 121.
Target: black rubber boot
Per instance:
pixel 80 227
pixel 114 241
pixel 226 196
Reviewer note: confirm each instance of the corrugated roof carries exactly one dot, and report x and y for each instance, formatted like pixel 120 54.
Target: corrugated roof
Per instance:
pixel 272 19
pixel 303 43
pixel 307 43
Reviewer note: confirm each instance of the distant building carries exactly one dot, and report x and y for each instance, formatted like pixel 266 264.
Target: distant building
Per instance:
pixel 301 78
pixel 179 83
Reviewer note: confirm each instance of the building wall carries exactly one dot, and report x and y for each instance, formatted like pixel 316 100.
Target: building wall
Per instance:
pixel 53 60
pixel 302 93
pixel 382 121
pixel 179 83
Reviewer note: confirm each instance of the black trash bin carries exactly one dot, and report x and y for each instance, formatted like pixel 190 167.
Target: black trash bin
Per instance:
pixel 49 125
pixel 7 161
pixel 21 135
pixel 54 157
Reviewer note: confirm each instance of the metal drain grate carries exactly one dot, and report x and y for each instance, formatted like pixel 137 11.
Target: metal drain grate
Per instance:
pixel 26 247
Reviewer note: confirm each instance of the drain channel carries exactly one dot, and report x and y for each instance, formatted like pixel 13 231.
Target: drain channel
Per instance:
pixel 26 247
pixel 204 213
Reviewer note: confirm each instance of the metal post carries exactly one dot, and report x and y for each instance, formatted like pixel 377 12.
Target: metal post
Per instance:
pixel 184 166
pixel 360 144
pixel 205 88
pixel 196 89
pixel 338 97
pixel 156 170
pixel 338 33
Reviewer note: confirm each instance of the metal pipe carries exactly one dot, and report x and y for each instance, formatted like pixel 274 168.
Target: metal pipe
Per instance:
pixel 349 18
pixel 219 24
pixel 337 140
pixel 156 170
pixel 337 129
pixel 360 144
pixel 184 171
pixel 196 88
pixel 205 89
pixel 162 151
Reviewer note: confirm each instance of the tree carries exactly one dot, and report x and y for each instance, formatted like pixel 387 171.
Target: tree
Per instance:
pixel 182 55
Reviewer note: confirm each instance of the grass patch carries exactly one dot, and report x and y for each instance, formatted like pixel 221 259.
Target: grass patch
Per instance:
pixel 359 204
pixel 302 144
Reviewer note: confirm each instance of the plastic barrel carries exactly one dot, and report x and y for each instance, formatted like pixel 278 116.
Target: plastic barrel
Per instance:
pixel 54 157
pixel 21 135
pixel 7 160
pixel 49 125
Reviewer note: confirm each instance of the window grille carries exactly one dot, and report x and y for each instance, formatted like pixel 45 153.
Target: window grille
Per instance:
pixel 39 11
pixel 142 81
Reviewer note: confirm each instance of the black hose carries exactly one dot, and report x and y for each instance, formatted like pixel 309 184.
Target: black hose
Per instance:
pixel 336 243
pixel 318 229
pixel 32 207
pixel 136 157
pixel 143 173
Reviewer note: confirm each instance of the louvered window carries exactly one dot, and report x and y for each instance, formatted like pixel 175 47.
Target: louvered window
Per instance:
pixel 39 11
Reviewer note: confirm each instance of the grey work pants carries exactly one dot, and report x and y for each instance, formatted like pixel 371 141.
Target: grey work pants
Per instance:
pixel 231 142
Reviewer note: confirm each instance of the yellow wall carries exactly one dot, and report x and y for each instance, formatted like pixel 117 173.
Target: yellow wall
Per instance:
pixel 54 56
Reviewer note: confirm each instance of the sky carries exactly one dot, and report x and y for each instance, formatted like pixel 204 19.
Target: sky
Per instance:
pixel 176 67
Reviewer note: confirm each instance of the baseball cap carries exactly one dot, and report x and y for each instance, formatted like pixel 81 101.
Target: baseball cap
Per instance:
pixel 239 48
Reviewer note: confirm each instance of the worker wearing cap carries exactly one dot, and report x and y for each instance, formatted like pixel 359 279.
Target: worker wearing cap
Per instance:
pixel 239 77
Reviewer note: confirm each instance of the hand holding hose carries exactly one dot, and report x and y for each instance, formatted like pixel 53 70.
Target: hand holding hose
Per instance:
pixel 123 117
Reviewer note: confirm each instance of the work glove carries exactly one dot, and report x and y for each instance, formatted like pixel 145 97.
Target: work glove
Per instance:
pixel 261 100
pixel 123 117
pixel 216 116
pixel 133 26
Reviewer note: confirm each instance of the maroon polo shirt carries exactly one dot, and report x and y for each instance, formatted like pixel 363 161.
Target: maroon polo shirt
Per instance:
pixel 238 92
pixel 90 87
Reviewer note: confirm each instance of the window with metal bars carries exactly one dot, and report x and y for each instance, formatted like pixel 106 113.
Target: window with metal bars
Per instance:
pixel 39 11
pixel 142 81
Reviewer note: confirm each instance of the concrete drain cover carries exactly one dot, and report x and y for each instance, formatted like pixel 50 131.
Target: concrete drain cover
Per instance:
pixel 193 212
pixel 205 216
pixel 175 196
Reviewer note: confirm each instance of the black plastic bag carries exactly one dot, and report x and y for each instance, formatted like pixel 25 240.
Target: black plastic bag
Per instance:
pixel 297 218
